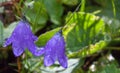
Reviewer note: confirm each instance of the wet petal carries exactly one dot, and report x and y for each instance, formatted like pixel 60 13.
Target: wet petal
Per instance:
pixel 17 50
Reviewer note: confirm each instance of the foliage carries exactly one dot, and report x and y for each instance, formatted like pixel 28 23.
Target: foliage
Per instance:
pixel 91 32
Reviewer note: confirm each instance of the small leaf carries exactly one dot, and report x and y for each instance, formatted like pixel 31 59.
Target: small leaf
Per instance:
pixel 42 39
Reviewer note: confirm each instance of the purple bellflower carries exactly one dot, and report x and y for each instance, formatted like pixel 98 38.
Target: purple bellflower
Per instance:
pixel 21 38
pixel 55 50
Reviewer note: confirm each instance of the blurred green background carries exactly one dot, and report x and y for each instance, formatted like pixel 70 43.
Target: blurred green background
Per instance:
pixel 91 29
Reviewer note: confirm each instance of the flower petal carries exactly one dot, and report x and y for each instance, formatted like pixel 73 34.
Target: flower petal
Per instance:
pixel 48 61
pixel 39 51
pixel 17 50
pixel 7 42
pixel 21 38
pixel 32 47
pixel 63 60
pixel 55 49
pixel 34 38
pixel 50 52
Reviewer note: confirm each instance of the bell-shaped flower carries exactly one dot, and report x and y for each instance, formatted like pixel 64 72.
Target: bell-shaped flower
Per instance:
pixel 55 50
pixel 22 38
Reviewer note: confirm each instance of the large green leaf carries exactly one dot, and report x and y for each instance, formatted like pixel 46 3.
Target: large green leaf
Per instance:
pixel 36 13
pixel 42 39
pixel 54 9
pixel 87 51
pixel 88 30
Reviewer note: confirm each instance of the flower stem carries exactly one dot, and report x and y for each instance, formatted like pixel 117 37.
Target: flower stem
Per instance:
pixel 18 64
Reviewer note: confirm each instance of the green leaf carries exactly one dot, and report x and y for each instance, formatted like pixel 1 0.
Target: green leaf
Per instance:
pixel 83 2
pixel 36 14
pixel 78 68
pixel 70 2
pixel 8 31
pixel 42 39
pixel 88 30
pixel 112 26
pixel 32 64
pixel 106 7
pixel 86 51
pixel 1 33
pixel 54 9
pixel 109 68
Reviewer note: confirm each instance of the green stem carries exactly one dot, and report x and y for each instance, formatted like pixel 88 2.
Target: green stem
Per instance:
pixel 114 10
pixel 19 64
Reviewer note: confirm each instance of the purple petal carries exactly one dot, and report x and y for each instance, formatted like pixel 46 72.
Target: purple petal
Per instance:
pixel 32 48
pixel 49 57
pixel 22 37
pixel 48 61
pixel 34 38
pixel 7 42
pixel 39 51
pixel 17 50
pixel 63 60
pixel 50 52
pixel 28 32
pixel 55 49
